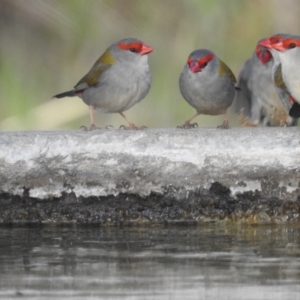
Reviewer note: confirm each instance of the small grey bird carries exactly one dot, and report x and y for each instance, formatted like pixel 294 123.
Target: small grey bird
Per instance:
pixel 208 85
pixel 119 79
pixel 258 101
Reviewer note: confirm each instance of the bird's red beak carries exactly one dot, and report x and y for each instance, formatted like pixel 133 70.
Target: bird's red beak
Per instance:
pixel 194 66
pixel 265 43
pixel 272 43
pixel 146 49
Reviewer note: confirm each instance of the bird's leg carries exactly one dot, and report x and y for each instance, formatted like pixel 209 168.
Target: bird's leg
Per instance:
pixel 93 126
pixel 91 111
pixel 187 124
pixel 131 125
pixel 225 124
pixel 244 121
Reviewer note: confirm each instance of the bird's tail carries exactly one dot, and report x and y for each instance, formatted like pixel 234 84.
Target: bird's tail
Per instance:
pixel 295 110
pixel 65 94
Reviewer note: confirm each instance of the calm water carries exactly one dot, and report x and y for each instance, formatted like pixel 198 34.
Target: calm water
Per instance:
pixel 205 262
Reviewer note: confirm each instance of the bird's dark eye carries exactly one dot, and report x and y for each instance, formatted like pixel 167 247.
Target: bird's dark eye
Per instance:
pixel 204 65
pixel 292 45
pixel 132 49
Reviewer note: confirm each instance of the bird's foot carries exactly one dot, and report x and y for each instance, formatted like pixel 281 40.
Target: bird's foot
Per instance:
pixel 91 128
pixel 109 127
pixel 188 125
pixel 132 127
pixel 225 125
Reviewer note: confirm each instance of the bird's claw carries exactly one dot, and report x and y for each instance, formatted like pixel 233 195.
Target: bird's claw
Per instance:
pixel 188 125
pixel 91 128
pixel 132 127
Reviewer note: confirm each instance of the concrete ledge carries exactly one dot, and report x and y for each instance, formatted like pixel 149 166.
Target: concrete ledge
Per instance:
pixel 150 176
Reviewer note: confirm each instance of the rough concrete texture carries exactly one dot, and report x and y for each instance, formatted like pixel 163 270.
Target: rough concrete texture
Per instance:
pixel 153 175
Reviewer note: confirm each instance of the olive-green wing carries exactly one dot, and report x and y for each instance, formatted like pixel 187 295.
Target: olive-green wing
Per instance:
pixel 92 77
pixel 224 69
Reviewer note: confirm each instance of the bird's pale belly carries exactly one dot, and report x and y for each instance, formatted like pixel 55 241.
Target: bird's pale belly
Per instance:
pixel 214 106
pixel 113 103
pixel 214 99
pixel 115 99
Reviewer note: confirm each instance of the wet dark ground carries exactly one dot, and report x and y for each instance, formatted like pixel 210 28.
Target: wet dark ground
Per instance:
pixel 214 204
pixel 210 261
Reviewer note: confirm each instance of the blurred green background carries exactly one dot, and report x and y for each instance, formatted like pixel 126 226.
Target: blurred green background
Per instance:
pixel 48 45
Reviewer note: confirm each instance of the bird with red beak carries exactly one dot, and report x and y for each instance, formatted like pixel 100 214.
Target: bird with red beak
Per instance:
pixel 208 85
pixel 285 49
pixel 119 79
pixel 258 101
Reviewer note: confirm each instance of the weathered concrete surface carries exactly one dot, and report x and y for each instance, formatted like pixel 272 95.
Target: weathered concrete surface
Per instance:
pixel 157 175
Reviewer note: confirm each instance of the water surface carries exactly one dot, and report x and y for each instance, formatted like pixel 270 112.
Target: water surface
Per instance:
pixel 212 261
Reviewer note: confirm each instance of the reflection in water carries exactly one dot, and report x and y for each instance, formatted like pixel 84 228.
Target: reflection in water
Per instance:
pixel 206 262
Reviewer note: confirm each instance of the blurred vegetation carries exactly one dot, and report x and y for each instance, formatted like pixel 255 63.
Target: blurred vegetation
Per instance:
pixel 48 45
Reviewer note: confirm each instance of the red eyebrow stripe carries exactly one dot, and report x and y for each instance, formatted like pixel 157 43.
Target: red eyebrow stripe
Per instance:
pixel 137 46
pixel 202 60
pixel 275 39
pixel 287 42
pixel 205 59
